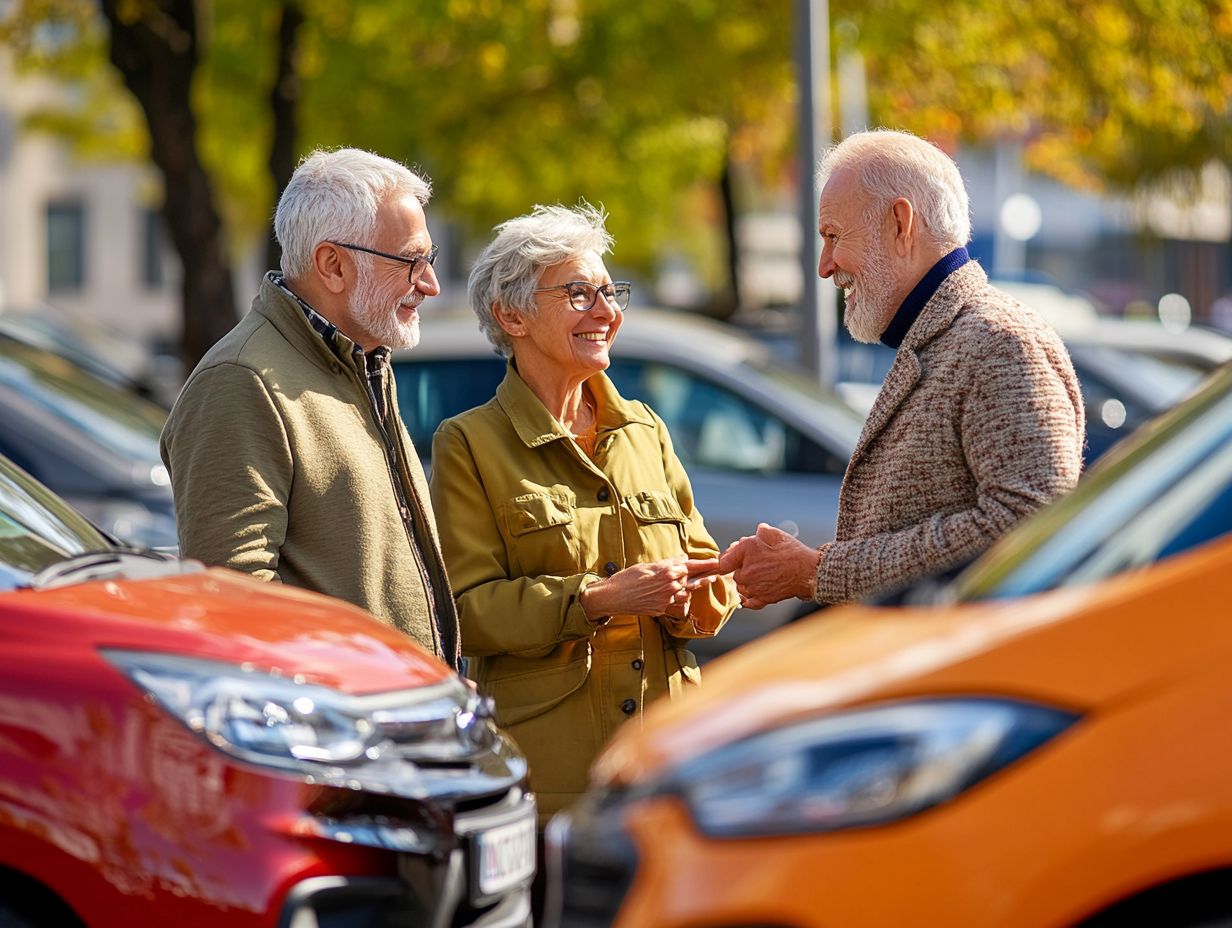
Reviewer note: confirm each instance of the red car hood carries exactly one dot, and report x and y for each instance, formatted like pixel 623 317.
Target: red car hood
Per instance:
pixel 226 616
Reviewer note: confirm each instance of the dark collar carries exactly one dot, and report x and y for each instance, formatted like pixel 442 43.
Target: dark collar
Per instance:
pixel 919 296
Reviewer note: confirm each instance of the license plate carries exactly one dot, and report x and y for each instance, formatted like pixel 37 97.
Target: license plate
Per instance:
pixel 505 855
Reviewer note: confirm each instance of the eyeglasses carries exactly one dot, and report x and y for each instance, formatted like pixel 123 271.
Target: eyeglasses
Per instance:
pixel 416 266
pixel 583 295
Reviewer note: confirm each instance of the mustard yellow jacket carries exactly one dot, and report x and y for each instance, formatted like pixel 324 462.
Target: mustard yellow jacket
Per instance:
pixel 526 522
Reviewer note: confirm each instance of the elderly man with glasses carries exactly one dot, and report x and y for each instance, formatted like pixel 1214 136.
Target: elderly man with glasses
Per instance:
pixel 287 456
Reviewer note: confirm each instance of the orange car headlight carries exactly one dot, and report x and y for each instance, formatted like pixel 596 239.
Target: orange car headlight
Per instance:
pixel 862 767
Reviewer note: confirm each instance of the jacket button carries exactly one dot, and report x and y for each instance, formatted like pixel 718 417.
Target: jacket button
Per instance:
pixel 638 663
pixel 628 707
pixel 604 494
pixel 610 568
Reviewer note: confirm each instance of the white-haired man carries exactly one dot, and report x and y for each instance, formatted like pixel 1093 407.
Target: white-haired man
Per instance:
pixel 287 456
pixel 980 420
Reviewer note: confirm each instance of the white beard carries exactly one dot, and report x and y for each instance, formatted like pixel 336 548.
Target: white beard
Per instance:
pixel 381 322
pixel 867 315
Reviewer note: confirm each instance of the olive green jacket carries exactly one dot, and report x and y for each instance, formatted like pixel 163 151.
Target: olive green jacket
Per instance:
pixel 280 468
pixel 527 522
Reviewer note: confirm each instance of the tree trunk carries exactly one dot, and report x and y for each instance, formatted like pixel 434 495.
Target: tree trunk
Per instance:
pixel 284 97
pixel 154 46
pixel 727 195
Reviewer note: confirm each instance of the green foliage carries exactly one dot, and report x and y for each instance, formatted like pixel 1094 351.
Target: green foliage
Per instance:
pixel 65 38
pixel 639 106
pixel 505 105
pixel 1104 92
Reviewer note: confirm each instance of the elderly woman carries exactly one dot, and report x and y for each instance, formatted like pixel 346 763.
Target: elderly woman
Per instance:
pixel 567 521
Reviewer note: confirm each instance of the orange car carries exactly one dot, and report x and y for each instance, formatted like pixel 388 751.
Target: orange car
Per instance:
pixel 1046 744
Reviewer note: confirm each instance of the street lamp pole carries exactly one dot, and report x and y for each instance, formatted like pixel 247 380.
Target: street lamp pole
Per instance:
pixel 818 301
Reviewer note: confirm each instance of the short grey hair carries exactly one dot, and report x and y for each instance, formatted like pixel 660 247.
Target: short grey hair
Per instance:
pixel 890 164
pixel 335 195
pixel 523 248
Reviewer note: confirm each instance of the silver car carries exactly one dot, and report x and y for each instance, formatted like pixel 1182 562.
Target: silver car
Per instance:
pixel 761 442
pixel 1130 371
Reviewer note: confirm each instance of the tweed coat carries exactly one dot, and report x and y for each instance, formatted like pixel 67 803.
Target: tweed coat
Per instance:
pixel 281 468
pixel 528 521
pixel 980 422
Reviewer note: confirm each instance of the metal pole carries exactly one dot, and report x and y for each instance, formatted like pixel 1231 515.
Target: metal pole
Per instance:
pixel 818 309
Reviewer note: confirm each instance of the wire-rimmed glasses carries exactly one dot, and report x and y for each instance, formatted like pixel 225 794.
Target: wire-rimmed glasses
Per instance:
pixel 416 266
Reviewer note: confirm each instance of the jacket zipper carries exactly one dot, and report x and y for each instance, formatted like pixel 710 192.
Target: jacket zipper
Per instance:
pixel 391 464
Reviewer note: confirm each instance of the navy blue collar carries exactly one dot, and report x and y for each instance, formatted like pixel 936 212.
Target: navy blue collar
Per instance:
pixel 919 296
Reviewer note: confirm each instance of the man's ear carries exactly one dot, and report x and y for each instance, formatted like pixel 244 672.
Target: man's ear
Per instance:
pixel 329 267
pixel 904 225
pixel 513 321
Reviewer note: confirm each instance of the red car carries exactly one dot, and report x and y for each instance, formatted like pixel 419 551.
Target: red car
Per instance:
pixel 190 747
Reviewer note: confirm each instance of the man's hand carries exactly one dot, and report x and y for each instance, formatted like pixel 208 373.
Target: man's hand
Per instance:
pixel 769 567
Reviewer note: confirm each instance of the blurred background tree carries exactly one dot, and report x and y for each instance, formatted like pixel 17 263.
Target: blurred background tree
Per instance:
pixel 1104 93
pixel 675 115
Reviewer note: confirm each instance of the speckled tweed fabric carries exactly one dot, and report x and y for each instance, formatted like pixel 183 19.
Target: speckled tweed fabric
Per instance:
pixel 979 423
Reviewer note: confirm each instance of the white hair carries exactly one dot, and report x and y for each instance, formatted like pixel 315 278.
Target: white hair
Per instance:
pixel 335 195
pixel 508 269
pixel 890 164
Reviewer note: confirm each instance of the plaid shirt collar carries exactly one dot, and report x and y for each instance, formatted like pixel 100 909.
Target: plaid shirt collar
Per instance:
pixel 374 362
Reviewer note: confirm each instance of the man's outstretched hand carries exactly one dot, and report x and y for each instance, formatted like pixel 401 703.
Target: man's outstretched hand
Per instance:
pixel 769 567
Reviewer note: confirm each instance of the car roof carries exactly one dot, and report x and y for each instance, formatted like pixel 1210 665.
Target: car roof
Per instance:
pixel 1199 345
pixel 710 349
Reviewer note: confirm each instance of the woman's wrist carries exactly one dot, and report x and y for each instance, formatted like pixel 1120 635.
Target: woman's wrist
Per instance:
pixel 592 602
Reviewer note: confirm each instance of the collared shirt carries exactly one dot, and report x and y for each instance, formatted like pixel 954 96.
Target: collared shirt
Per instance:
pixel 374 363
pixel 919 296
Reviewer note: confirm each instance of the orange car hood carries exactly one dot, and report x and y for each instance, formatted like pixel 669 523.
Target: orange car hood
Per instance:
pixel 226 616
pixel 1079 648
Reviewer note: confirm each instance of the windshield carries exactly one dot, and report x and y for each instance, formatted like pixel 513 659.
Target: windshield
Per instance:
pixel 1165 491
pixel 844 416
pixel 37 529
pixel 1160 383
pixel 112 417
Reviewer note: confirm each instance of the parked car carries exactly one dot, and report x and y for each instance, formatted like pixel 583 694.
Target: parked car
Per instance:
pixel 92 442
pixel 761 443
pixel 1130 371
pixel 1043 746
pixel 196 748
pixel 123 362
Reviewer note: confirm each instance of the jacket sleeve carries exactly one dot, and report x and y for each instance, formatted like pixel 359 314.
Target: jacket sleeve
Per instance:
pixel 226 449
pixel 711 606
pixel 1022 429
pixel 527 616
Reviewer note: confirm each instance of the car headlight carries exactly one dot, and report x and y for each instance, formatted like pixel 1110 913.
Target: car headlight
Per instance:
pixel 862 767
pixel 375 742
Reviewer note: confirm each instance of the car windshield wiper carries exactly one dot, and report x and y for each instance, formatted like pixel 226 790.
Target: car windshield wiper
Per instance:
pixel 112 564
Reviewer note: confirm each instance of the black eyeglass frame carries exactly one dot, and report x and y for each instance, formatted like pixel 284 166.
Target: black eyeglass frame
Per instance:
pixel 618 288
pixel 411 278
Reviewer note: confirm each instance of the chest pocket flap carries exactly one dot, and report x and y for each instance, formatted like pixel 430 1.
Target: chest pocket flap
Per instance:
pixel 655 506
pixel 535 511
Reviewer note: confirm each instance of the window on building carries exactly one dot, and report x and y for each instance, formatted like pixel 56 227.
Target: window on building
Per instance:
pixel 66 246
pixel 153 248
